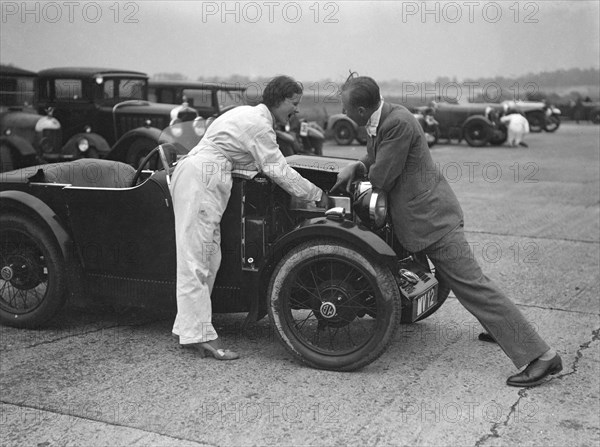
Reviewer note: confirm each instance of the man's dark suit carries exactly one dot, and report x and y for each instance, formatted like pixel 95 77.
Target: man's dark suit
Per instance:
pixel 427 217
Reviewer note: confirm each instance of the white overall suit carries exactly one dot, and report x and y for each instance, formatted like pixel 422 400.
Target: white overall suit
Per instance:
pixel 518 127
pixel 243 138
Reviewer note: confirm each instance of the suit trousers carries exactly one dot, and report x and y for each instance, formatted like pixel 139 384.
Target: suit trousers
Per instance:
pixel 456 265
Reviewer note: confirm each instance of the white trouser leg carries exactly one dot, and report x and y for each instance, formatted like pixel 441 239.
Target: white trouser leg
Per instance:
pixel 200 188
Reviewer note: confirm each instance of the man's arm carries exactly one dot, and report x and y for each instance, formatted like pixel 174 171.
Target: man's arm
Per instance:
pixel 392 153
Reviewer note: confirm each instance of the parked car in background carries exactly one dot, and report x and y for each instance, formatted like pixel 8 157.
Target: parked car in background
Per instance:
pixel 591 111
pixel 478 124
pixel 105 113
pixel 207 98
pixel 26 137
pixel 344 130
pixel 540 115
pixel 213 99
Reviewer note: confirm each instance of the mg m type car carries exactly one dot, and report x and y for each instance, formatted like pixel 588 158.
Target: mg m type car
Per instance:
pixel 334 282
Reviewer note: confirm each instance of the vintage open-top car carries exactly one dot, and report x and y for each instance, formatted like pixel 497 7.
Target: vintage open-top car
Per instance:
pixel 478 124
pixel 334 281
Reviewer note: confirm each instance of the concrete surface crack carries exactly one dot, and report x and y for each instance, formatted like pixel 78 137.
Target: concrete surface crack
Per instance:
pixel 497 425
pixel 79 334
pixel 535 306
pixel 114 424
pixel 523 392
pixel 579 353
pixel 561 239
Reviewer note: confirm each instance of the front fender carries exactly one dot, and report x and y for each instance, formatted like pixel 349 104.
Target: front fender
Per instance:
pixel 36 209
pixel 346 230
pixel 20 144
pixel 119 150
pixel 96 142
pixel 478 118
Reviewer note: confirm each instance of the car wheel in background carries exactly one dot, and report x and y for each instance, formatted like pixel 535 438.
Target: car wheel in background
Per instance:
pixel 343 133
pixel 477 133
pixel 552 123
pixel 537 121
pixel 33 278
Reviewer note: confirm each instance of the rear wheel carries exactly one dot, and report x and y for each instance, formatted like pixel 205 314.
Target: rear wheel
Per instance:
pixel 343 133
pixel 536 121
pixel 333 306
pixel 552 123
pixel 499 136
pixel 595 117
pixel 32 281
pixel 477 133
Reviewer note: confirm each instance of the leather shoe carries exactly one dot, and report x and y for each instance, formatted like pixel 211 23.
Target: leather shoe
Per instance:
pixel 536 372
pixel 485 336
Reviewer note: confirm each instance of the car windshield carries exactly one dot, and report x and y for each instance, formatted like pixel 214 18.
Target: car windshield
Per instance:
pixel 185 135
pixel 122 89
pixel 228 98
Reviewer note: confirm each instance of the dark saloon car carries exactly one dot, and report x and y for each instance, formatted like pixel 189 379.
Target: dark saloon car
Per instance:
pixel 334 282
pixel 105 112
pixel 26 137
pixel 207 98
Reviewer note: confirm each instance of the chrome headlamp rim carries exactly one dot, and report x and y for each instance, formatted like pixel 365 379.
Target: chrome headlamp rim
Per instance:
pixel 370 205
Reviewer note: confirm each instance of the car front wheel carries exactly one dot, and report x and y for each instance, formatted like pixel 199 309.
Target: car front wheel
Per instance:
pixel 333 306
pixel 32 281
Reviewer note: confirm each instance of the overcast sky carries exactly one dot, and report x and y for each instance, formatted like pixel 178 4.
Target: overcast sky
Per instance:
pixel 405 40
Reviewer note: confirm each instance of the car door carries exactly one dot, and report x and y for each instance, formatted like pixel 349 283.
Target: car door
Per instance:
pixel 125 238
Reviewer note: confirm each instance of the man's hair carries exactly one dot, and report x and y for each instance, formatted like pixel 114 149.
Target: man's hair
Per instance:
pixel 363 91
pixel 279 88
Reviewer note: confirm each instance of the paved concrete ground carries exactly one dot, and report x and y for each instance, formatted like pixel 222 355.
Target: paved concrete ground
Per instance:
pixel 97 377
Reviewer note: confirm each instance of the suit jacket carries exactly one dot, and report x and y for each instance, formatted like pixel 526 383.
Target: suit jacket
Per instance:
pixel 422 204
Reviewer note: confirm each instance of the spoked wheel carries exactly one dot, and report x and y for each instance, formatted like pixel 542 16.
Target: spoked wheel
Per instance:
pixel 32 275
pixel 478 133
pixel 334 307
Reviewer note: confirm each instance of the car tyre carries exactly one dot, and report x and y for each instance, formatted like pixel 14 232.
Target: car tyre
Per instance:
pixel 537 121
pixel 552 123
pixel 477 133
pixel 595 117
pixel 333 306
pixel 33 277
pixel 343 133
